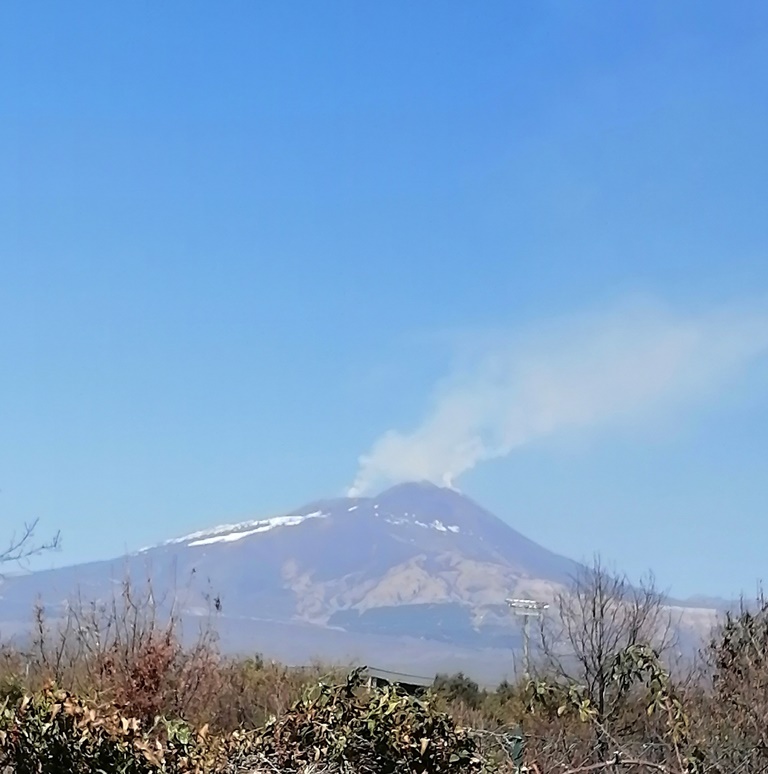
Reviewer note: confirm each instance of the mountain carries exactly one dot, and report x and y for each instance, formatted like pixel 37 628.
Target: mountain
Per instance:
pixel 418 569
pixel 355 561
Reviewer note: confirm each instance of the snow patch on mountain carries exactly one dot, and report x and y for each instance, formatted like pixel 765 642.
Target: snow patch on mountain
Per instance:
pixel 436 524
pixel 229 533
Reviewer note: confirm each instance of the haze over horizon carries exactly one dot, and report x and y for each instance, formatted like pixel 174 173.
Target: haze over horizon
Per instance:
pixel 259 255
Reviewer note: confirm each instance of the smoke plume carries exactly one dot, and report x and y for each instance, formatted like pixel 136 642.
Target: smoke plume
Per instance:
pixel 579 373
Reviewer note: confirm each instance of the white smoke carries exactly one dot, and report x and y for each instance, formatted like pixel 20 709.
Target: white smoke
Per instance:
pixel 578 373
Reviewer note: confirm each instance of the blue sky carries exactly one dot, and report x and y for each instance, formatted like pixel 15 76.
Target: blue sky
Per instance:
pixel 242 242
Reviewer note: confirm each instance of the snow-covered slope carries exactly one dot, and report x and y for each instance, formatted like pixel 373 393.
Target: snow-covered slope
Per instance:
pixel 229 533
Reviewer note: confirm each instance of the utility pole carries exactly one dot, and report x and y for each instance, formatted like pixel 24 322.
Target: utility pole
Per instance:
pixel 527 608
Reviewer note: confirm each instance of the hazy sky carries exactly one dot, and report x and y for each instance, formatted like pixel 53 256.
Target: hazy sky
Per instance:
pixel 522 246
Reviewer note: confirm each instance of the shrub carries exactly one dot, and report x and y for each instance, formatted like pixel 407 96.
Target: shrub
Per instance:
pixel 56 733
pixel 459 688
pixel 379 729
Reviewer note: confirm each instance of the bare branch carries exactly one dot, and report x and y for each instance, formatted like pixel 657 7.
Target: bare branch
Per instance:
pixel 617 762
pixel 602 616
pixel 23 546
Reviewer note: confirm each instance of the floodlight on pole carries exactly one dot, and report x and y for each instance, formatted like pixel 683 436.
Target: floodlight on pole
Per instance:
pixel 528 608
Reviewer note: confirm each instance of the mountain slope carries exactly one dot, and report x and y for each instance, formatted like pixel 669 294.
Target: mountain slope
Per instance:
pixel 415 544
pixel 417 562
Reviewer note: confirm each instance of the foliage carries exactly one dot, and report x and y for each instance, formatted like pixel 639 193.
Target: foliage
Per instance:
pixel 731 698
pixel 55 733
pixel 130 698
pixel 459 688
pixel 369 729
pixel 128 652
pixel 631 668
pixel 344 726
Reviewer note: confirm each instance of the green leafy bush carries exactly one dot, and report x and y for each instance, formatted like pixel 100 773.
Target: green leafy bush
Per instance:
pixel 55 733
pixel 382 729
pixel 347 726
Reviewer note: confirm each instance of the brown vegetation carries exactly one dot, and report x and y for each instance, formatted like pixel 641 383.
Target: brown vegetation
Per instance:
pixel 111 688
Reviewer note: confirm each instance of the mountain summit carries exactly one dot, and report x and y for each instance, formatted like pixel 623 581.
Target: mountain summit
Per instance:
pixel 362 552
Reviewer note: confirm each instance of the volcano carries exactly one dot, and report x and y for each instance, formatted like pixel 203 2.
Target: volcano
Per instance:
pixel 323 563
pixel 419 569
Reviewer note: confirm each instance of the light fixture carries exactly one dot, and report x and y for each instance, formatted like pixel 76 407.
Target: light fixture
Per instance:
pixel 528 608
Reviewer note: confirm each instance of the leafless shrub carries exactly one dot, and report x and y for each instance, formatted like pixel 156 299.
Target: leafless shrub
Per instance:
pixel 125 651
pixel 129 650
pixel 600 615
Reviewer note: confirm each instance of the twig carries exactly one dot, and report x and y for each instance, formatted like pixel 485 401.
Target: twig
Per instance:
pixel 621 762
